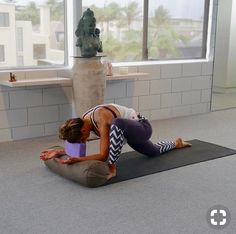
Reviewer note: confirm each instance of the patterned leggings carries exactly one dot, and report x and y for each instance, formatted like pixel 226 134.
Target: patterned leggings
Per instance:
pixel 137 135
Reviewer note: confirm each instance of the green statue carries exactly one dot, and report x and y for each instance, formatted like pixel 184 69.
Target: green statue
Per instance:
pixel 88 35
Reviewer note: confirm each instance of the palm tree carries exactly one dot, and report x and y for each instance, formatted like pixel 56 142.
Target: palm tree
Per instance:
pixel 29 13
pixel 111 13
pixel 131 13
pixel 163 38
pixel 56 9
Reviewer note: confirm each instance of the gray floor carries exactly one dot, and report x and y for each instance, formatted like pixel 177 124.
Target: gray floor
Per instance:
pixel 34 200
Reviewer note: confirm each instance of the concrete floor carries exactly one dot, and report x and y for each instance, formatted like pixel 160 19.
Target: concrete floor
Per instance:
pixel 34 200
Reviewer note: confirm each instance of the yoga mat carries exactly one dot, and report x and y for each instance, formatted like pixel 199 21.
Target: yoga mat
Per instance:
pixel 132 164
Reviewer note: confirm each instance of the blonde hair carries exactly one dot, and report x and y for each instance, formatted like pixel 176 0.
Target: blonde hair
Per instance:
pixel 71 130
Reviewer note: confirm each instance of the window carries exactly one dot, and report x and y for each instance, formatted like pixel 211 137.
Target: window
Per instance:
pixel 39 51
pixel 121 25
pixel 4 19
pixel 134 30
pixel 2 53
pixel 31 33
pixel 19 39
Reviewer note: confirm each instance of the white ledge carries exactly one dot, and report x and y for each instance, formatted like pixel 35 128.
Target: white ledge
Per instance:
pixel 38 81
pixel 63 80
pixel 126 76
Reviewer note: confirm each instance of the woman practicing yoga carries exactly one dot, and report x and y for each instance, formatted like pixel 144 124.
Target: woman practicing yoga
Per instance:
pixel 115 125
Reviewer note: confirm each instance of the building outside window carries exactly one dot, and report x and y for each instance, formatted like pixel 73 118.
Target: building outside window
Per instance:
pixel 4 19
pixel 175 30
pixel 19 41
pixel 2 53
pixel 30 30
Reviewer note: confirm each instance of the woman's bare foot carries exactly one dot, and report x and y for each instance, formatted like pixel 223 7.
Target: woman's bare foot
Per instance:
pixel 112 171
pixel 179 143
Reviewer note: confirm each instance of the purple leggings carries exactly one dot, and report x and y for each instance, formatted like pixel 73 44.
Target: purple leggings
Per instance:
pixel 137 135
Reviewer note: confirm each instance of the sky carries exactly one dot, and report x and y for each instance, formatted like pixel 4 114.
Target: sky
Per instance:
pixel 189 8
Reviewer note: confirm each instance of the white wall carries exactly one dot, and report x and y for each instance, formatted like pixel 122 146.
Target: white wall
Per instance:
pixel 225 52
pixel 232 48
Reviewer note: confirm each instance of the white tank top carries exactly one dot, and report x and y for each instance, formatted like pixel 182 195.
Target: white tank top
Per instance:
pixel 125 112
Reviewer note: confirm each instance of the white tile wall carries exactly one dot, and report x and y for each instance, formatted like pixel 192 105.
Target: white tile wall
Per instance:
pixel 43 114
pixel 154 71
pixel 138 88
pixel 52 96
pixel 25 98
pixel 160 86
pixel 13 118
pixel 170 100
pixel 191 97
pixel 115 89
pixel 206 95
pixel 171 70
pixel 27 132
pixel 4 101
pixel 207 68
pixel 52 128
pixel 192 69
pixel 201 82
pixel 65 111
pixel 182 84
pixel 169 91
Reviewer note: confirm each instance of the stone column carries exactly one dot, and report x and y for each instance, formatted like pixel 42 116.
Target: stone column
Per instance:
pixel 88 83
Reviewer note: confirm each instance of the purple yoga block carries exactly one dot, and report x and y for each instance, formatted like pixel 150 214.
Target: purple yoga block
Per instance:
pixel 75 149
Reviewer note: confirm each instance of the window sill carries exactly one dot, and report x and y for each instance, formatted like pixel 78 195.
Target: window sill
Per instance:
pixel 160 62
pixel 126 76
pixel 64 81
pixel 38 81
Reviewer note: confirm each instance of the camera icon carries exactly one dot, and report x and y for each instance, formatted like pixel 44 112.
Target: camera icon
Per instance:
pixel 218 217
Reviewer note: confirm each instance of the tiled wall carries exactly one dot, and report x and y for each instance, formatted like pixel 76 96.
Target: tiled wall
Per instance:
pixel 27 112
pixel 171 90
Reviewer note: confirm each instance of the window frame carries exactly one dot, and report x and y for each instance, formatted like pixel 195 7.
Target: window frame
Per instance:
pixel 204 50
pixel 204 34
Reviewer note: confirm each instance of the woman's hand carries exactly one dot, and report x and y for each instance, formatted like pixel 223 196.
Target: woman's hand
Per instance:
pixel 70 160
pixel 51 153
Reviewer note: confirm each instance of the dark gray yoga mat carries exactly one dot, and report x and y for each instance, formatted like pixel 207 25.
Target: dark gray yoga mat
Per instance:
pixel 132 164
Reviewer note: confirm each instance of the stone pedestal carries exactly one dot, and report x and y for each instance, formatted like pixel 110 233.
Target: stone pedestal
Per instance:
pixel 88 83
